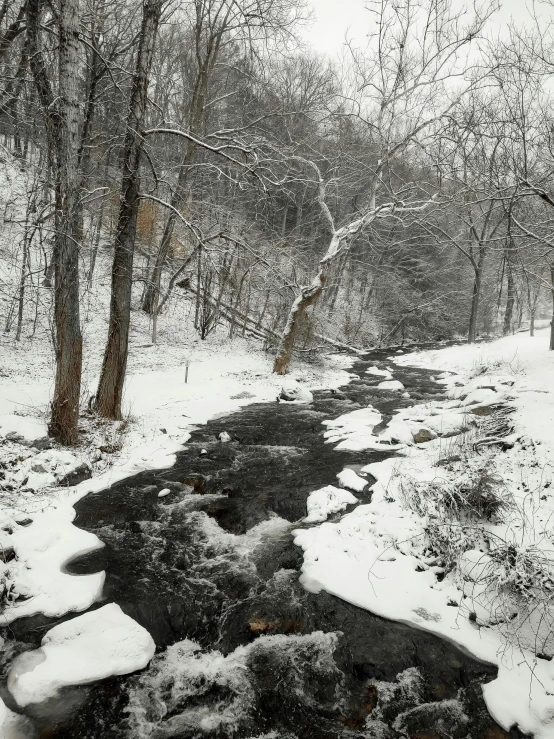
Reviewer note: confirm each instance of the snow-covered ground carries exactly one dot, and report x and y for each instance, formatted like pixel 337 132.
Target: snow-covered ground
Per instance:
pixel 458 537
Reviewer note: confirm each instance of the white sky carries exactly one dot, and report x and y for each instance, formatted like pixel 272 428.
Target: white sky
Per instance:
pixel 335 18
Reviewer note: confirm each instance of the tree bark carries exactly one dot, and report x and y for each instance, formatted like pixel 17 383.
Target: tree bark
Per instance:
pixel 308 296
pixel 62 121
pixel 551 347
pixel 474 313
pixel 510 298
pixel 476 296
pixel 112 378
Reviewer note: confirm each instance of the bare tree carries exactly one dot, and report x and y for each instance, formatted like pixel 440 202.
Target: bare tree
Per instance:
pixel 61 113
pixel 110 386
pixel 405 94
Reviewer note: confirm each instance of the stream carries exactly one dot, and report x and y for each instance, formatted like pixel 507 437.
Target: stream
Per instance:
pixel 211 571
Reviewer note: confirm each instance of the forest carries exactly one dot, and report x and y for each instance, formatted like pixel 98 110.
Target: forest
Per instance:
pixel 397 193
pixel 276 370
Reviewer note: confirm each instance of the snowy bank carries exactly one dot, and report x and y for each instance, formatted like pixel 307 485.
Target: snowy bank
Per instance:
pixel 457 537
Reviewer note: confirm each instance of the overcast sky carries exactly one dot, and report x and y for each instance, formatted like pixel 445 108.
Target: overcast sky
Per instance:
pixel 334 18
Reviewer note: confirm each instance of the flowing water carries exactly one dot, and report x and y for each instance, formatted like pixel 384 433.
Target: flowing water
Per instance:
pixel 212 572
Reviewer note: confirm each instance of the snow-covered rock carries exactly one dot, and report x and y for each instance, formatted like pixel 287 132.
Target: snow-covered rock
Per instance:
pixel 390 385
pixel 25 430
pixel 397 432
pixel 422 434
pixel 87 648
pixel 77 474
pixel 321 503
pixel 292 391
pixel 349 479
pixel 52 466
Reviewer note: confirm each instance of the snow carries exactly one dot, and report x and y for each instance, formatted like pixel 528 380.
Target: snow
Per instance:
pixel 293 392
pixel 30 431
pixel 483 396
pixel 93 646
pixel 42 549
pixel 390 385
pixel 353 430
pixel 13 725
pixel 448 424
pixel 349 479
pixel 380 556
pixel 322 503
pixel 45 469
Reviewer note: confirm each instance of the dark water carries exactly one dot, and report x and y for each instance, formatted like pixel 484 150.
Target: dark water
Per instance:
pixel 212 573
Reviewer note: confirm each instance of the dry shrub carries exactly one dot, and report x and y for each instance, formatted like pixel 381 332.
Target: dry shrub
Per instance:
pixel 478 493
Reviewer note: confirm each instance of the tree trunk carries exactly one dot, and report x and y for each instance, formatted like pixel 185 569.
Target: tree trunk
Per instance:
pixel 476 296
pixel 308 296
pixel 110 387
pixel 62 120
pixel 473 316
pixel 510 300
pixel 551 347
pixel 21 297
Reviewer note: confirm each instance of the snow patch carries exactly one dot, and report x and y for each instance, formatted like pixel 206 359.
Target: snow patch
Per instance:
pixel 91 647
pixel 322 503
pixel 390 385
pixel 24 429
pixel 349 479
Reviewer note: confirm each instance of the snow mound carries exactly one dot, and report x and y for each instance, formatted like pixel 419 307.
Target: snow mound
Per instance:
pixel 91 647
pixel 51 467
pixel 292 391
pixel 448 424
pixel 349 479
pixel 482 396
pixel 42 550
pixel 321 503
pixel 24 429
pixel 354 430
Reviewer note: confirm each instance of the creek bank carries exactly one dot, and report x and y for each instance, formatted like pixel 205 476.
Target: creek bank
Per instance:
pixel 216 569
